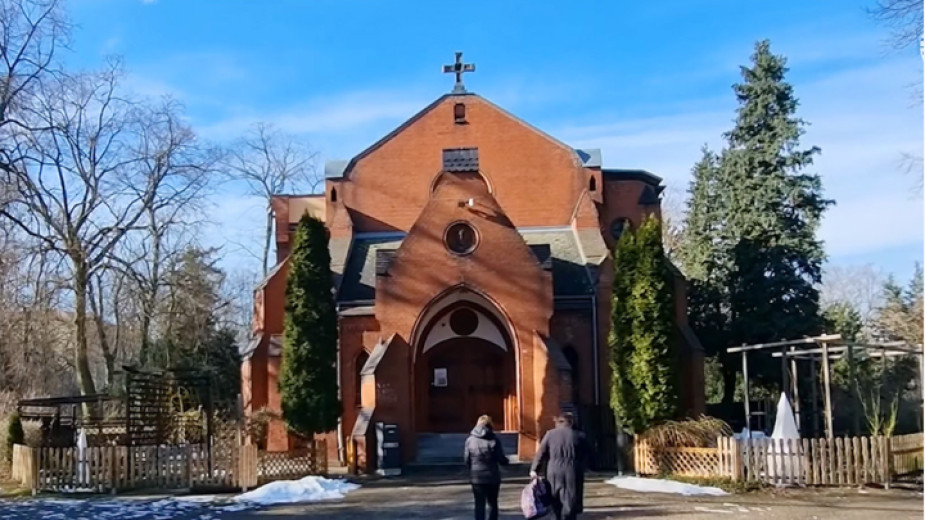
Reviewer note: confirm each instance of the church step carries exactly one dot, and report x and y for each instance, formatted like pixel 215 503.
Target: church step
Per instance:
pixel 447 448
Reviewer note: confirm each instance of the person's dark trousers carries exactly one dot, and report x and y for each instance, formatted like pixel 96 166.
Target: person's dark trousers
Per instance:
pixel 486 494
pixel 557 507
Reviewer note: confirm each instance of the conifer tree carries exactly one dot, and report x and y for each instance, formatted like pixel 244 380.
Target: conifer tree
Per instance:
pixel 308 379
pixel 644 363
pixel 750 247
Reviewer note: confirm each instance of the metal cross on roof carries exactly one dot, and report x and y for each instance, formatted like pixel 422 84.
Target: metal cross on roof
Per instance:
pixel 459 68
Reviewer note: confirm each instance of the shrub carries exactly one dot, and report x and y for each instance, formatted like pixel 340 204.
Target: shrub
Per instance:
pixel 691 433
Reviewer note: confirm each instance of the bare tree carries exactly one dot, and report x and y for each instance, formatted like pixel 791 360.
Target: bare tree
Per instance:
pixel 165 228
pixel 86 175
pixel 859 286
pixel 905 17
pixel 271 163
pixel 30 33
pixel 672 210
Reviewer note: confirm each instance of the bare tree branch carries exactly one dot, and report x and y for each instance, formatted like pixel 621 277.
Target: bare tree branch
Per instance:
pixel 271 163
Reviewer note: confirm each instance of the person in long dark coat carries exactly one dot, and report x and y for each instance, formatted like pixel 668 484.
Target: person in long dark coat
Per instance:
pixel 565 454
pixel 484 456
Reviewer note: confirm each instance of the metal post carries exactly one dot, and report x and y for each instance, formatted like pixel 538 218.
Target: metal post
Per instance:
pixel 829 433
pixel 795 383
pixel 748 407
pixel 784 374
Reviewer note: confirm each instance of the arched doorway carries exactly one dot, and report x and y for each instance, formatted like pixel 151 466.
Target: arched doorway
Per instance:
pixel 464 368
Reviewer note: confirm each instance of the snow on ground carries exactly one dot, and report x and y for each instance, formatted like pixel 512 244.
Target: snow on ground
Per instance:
pixel 654 485
pixel 308 489
pixel 129 508
pixel 187 507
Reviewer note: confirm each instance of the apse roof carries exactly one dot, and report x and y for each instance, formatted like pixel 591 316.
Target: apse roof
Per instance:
pixel 569 273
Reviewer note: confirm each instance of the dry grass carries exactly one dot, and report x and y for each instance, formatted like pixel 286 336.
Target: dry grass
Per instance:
pixel 691 433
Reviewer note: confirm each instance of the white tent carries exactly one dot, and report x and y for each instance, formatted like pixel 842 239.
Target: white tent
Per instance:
pixel 785 427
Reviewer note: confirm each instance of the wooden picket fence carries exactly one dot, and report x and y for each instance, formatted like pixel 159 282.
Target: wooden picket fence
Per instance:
pixel 844 461
pixel 114 468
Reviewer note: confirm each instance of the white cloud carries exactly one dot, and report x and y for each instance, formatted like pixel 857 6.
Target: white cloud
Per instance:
pixel 336 114
pixel 862 120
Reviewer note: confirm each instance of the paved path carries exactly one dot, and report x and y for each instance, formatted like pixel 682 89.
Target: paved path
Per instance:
pixel 446 500
pixel 436 498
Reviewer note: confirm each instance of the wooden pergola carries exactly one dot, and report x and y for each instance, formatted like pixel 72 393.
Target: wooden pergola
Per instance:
pixel 826 348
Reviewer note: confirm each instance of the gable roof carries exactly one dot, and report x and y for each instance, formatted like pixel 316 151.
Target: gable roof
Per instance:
pixel 336 169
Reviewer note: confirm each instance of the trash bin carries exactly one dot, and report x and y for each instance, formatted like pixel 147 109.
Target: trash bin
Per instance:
pixel 388 450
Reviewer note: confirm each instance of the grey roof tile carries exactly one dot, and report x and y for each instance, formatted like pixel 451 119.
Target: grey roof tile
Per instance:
pixel 590 157
pixel 569 275
pixel 359 278
pixel 569 272
pixel 246 351
pixel 335 169
pixel 461 160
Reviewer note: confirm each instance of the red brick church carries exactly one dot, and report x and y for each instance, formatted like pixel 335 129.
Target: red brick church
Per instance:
pixel 472 270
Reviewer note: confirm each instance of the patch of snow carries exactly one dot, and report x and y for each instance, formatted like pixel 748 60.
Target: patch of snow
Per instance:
pixel 653 485
pixel 746 433
pixel 308 489
pixel 196 498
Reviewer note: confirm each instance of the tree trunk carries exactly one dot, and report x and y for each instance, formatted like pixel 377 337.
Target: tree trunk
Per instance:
pixel 266 241
pixel 81 359
pixel 149 300
pixel 96 305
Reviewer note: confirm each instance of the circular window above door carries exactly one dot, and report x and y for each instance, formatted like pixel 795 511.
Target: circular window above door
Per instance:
pixel 464 321
pixel 461 238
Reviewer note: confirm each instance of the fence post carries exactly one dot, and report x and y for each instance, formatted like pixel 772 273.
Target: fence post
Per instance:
pixel 34 466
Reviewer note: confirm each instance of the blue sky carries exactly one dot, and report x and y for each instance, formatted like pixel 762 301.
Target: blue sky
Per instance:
pixel 648 84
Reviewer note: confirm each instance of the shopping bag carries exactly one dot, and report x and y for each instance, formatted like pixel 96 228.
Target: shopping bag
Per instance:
pixel 535 499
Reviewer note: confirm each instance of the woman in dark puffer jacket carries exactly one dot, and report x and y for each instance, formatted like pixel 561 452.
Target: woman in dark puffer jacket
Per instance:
pixel 484 456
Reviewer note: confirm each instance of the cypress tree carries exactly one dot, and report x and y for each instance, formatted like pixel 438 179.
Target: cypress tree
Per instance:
pixel 308 378
pixel 754 260
pixel 643 361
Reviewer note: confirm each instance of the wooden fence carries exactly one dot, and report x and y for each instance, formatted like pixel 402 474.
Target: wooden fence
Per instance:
pixel 688 462
pixel 113 468
pixel 801 462
pixel 292 464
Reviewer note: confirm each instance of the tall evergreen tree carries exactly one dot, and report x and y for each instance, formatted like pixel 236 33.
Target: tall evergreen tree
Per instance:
pixel 750 246
pixel 308 379
pixel 644 363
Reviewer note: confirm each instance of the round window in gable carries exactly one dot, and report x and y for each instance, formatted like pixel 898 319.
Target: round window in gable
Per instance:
pixel 461 238
pixel 464 321
pixel 617 227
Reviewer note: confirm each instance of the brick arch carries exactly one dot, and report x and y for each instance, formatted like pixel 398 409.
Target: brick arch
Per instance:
pixel 463 296
pixel 447 300
pixel 480 176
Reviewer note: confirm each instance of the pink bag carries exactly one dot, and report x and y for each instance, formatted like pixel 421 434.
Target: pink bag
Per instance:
pixel 534 499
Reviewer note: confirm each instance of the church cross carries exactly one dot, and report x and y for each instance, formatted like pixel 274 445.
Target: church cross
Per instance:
pixel 459 68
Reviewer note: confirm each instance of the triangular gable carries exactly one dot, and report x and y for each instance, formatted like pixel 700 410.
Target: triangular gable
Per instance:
pixel 337 170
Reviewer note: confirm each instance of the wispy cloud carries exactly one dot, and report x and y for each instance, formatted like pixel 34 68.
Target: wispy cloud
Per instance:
pixel 336 114
pixel 861 119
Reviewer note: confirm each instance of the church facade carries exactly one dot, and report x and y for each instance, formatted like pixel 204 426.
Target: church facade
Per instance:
pixel 471 255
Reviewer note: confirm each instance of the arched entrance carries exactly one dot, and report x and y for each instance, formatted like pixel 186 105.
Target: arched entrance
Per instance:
pixel 464 368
